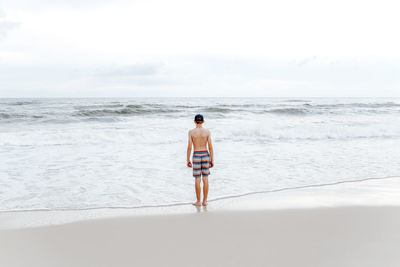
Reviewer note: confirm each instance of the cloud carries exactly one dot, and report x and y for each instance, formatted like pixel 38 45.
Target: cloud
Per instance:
pixel 49 4
pixel 6 25
pixel 257 48
pixel 146 69
pixel 144 76
pixel 306 60
pixel 207 76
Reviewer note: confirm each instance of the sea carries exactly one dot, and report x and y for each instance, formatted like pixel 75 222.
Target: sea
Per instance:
pixel 84 153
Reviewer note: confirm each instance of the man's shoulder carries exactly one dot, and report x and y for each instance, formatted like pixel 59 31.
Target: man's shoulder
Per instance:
pixel 207 131
pixel 191 131
pixel 202 129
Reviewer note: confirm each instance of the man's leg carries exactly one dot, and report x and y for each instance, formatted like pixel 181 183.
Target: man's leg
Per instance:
pixel 205 189
pixel 198 191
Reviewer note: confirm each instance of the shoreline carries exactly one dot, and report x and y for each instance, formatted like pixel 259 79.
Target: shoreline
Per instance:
pixel 347 225
pixel 210 200
pixel 364 192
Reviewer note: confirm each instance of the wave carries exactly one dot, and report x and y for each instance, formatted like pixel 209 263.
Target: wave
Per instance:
pixel 297 110
pixel 306 105
pixel 288 111
pixel 12 115
pixel 297 100
pixel 80 107
pixel 134 106
pixel 21 103
pixel 123 111
pixel 70 111
pixel 217 109
pixel 356 105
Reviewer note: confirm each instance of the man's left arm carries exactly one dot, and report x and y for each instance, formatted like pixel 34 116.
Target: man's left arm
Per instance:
pixel 189 150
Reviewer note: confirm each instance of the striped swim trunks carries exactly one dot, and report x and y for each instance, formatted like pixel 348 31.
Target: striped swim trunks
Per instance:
pixel 201 163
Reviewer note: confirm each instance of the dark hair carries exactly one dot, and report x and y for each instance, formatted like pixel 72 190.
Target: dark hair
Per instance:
pixel 198 118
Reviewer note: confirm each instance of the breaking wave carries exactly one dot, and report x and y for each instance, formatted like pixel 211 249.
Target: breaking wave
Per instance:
pixel 73 110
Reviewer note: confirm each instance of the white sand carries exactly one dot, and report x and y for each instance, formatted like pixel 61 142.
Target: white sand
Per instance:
pixel 353 236
pixel 353 233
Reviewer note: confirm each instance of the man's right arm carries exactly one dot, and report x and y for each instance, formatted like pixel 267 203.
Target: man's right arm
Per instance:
pixel 210 148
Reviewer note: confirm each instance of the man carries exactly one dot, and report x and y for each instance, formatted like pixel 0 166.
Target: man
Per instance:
pixel 199 137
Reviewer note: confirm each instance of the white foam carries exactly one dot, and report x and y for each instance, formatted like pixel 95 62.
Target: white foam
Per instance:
pixel 139 160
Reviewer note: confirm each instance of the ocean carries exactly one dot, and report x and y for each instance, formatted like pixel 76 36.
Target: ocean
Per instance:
pixel 81 153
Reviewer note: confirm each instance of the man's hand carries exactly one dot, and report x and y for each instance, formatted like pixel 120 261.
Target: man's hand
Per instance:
pixel 189 164
pixel 211 164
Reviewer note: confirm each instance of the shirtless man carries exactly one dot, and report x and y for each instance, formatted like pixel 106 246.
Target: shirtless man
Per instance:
pixel 199 137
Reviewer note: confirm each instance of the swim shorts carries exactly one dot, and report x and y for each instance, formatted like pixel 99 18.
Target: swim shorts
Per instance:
pixel 201 163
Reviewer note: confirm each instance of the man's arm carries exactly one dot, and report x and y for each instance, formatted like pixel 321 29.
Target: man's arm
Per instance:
pixel 189 150
pixel 210 148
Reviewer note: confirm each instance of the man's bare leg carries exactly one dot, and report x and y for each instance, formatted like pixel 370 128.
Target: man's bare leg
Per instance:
pixel 198 191
pixel 205 190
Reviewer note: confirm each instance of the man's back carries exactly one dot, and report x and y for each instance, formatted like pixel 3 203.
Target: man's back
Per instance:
pixel 199 138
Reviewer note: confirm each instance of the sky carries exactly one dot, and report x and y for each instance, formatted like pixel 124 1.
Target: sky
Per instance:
pixel 219 48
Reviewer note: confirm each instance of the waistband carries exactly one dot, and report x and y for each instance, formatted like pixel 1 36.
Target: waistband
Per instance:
pixel 200 151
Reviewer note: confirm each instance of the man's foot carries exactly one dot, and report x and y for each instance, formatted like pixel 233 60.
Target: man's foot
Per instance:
pixel 205 203
pixel 197 203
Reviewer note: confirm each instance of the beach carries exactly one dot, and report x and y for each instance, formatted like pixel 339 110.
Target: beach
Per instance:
pixel 112 112
pixel 314 226
pixel 302 182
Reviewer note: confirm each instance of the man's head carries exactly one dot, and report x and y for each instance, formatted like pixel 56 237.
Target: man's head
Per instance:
pixel 198 119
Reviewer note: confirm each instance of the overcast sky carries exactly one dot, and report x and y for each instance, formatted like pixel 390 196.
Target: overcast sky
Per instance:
pixel 199 48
